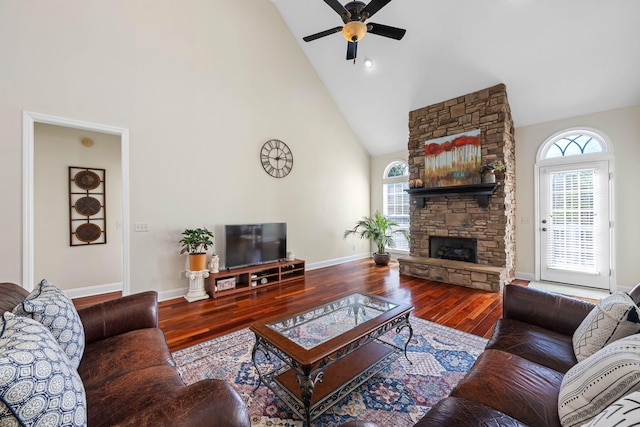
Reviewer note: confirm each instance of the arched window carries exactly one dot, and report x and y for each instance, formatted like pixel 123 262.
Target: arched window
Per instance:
pixel 573 143
pixel 396 200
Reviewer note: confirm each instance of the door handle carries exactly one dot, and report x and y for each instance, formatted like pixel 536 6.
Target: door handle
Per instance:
pixel 544 228
pixel 544 221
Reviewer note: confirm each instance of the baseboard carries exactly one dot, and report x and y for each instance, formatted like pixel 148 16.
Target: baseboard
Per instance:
pixel 182 291
pixel 172 293
pixel 335 261
pixel 525 276
pixel 89 291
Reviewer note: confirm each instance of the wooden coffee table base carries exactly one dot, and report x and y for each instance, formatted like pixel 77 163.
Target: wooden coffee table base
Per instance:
pixel 310 391
pixel 359 365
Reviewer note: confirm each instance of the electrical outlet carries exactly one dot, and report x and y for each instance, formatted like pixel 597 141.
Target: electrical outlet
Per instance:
pixel 141 226
pixel 182 274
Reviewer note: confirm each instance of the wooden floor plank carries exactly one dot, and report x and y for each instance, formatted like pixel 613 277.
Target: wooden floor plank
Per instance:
pixel 185 324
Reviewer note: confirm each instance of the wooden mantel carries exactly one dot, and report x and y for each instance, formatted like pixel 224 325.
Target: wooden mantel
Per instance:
pixel 481 191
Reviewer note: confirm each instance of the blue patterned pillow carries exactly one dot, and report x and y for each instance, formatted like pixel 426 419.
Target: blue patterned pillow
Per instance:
pixel 38 383
pixel 49 305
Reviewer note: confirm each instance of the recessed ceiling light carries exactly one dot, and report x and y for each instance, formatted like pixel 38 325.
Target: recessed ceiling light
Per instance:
pixel 368 63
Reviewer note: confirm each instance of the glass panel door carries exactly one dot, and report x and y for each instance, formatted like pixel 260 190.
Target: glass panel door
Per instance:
pixel 574 224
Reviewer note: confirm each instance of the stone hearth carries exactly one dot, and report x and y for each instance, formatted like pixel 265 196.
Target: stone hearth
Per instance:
pixel 461 215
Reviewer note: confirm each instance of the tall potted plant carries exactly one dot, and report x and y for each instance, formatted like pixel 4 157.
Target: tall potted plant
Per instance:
pixel 380 230
pixel 196 242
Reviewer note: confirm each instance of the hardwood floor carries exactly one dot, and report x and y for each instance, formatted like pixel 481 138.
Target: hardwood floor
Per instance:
pixel 185 324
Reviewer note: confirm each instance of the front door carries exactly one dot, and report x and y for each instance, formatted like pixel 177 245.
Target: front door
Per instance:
pixel 574 233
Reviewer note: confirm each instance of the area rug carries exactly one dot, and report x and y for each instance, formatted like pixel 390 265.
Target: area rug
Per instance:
pixel 399 395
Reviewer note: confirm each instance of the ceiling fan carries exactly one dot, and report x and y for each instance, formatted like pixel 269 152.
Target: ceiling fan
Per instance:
pixel 353 15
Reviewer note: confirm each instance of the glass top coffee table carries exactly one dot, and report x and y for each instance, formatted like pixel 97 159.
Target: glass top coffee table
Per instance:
pixel 328 350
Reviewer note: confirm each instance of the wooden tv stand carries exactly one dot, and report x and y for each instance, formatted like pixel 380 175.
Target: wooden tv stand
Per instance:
pixel 254 277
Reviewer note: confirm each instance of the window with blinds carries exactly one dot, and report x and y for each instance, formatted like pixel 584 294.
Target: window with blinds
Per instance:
pixel 396 200
pixel 572 226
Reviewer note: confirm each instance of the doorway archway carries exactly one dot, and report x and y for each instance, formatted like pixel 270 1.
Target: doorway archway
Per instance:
pixel 29 122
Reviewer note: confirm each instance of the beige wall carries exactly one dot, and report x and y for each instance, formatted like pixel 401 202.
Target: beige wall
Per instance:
pixel 57 148
pixel 200 86
pixel 623 129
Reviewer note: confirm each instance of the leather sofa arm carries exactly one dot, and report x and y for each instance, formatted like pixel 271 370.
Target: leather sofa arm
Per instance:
pixel 120 315
pixel 11 295
pixel 544 309
pixel 211 402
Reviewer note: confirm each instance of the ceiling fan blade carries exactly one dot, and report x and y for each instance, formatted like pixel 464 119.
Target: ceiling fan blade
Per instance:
pixel 352 50
pixel 386 31
pixel 373 7
pixel 335 5
pixel 322 34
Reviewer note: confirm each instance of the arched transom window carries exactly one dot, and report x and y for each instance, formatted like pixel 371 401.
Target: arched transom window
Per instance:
pixel 573 143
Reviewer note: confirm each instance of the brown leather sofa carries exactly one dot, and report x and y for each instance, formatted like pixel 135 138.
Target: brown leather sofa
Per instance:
pixel 129 375
pixel 516 380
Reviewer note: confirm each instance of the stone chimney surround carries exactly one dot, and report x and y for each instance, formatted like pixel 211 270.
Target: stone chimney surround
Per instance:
pixel 484 212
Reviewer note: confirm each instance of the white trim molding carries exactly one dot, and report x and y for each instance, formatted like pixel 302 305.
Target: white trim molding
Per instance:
pixel 29 119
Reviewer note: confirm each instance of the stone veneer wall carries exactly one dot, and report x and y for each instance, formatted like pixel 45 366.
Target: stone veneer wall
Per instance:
pixel 460 216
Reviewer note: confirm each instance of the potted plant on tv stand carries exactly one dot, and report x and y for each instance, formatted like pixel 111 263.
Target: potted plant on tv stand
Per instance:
pixel 196 242
pixel 380 230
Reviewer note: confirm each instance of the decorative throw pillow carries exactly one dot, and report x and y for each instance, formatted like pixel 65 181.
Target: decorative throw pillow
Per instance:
pixel 598 381
pixel 38 384
pixel 49 305
pixel 615 317
pixel 624 412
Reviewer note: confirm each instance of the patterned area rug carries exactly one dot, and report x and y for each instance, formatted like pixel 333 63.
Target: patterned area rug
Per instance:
pixel 399 395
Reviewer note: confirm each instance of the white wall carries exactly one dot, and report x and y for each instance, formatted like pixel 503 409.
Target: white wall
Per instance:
pixel 623 129
pixel 200 85
pixel 57 148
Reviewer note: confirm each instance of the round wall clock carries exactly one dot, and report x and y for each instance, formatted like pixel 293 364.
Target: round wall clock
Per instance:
pixel 276 158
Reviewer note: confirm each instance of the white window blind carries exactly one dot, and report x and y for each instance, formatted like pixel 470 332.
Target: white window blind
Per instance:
pixel 572 226
pixel 396 200
pixel 397 209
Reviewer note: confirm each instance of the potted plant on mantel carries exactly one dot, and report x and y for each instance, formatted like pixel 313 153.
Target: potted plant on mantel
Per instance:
pixel 379 230
pixel 488 171
pixel 196 242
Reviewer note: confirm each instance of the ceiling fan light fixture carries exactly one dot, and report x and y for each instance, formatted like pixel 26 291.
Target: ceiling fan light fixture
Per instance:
pixel 354 31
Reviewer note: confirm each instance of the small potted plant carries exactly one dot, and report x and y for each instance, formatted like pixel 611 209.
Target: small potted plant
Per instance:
pixel 379 230
pixel 488 171
pixel 196 242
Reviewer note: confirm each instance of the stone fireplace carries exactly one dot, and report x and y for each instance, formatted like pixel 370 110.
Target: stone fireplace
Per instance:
pixel 476 218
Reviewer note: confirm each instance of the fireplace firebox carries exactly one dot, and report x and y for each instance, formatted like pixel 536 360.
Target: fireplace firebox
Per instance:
pixel 454 248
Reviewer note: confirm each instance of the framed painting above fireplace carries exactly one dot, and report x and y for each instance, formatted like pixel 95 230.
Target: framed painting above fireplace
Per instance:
pixel 453 160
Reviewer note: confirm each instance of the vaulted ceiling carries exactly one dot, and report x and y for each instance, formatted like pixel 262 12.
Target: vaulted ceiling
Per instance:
pixel 558 59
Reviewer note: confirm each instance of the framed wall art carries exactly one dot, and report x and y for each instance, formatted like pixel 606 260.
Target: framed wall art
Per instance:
pixel 453 160
pixel 87 206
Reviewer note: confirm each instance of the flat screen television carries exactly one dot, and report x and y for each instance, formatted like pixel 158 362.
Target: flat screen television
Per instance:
pixel 252 244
